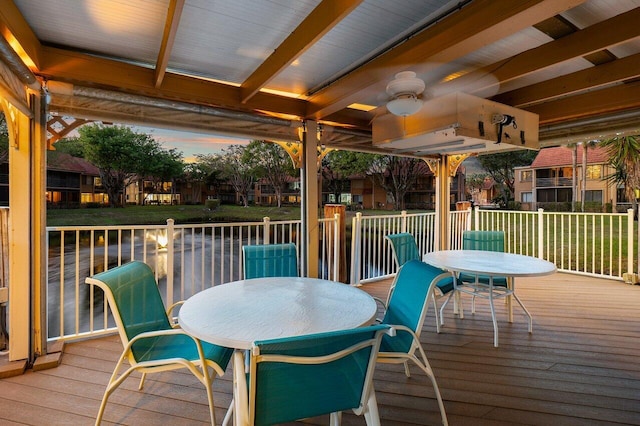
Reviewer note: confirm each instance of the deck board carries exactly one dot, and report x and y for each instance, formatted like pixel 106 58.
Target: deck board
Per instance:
pixel 579 367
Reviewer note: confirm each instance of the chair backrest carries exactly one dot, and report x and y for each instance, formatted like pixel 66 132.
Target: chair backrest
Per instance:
pixel 270 260
pixel 135 301
pixel 404 248
pixel 407 306
pixel 483 240
pixel 306 376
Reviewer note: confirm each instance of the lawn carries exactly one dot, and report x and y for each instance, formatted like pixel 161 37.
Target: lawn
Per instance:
pixel 156 215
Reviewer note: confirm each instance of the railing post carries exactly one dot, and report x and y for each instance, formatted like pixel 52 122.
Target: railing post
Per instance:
pixel 265 230
pixel 476 219
pixel 630 241
pixel 356 255
pixel 403 221
pixel 170 233
pixel 337 247
pixel 540 219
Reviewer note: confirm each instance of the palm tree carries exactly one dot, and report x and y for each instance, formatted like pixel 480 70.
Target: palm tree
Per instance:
pixel 624 157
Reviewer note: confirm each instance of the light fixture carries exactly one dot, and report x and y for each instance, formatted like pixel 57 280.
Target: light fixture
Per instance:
pixel 404 90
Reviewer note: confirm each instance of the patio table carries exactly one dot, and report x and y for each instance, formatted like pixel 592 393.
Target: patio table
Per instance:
pixel 491 264
pixel 238 313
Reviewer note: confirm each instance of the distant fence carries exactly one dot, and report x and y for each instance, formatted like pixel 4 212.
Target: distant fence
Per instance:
pixel 602 245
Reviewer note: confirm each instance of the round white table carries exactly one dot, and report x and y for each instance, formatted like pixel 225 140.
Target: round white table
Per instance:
pixel 238 313
pixel 491 264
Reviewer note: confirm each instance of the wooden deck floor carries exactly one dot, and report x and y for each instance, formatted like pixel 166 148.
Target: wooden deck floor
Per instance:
pixel 581 366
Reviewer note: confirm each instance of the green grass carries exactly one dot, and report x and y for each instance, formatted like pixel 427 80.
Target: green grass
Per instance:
pixel 156 215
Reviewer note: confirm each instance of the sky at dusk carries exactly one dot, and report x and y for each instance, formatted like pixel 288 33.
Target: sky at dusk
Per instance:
pixel 190 143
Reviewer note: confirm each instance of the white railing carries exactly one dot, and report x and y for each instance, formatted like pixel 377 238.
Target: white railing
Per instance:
pixel 602 245
pixel 185 258
pixel 371 257
pixel 596 244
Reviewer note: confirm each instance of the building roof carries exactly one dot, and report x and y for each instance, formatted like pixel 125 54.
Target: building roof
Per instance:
pixel 63 162
pixel 561 156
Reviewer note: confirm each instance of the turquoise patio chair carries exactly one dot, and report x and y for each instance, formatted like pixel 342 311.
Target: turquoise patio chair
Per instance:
pixel 298 377
pixel 406 311
pixel 487 241
pixel 404 249
pixel 270 260
pixel 151 343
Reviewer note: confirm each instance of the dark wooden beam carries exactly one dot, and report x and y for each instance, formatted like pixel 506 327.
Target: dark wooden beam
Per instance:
pixel 590 78
pixel 170 29
pixel 320 21
pixel 618 98
pixel 480 23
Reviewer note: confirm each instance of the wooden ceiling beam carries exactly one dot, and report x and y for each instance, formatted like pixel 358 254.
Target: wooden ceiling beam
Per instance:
pixel 168 37
pixel 86 70
pixel 15 29
pixel 581 43
pixel 591 78
pixel 319 22
pixel 480 23
pixel 612 99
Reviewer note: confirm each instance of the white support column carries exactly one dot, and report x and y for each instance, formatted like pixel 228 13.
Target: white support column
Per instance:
pixel 27 223
pixel 443 197
pixel 309 173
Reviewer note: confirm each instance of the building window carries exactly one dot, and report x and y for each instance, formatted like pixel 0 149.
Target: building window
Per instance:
pixel 526 175
pixel 526 197
pixel 594 172
pixel 593 196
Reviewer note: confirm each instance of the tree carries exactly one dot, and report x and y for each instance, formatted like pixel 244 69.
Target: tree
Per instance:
pixel 71 146
pixel 574 175
pixel 474 183
pixel 500 167
pixel 166 166
pixel 4 139
pixel 271 163
pixel 120 154
pixel 240 170
pixel 624 157
pixel 397 175
pixel 338 166
pixel 214 165
pixel 196 176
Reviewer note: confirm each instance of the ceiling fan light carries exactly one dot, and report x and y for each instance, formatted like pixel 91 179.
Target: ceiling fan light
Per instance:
pixel 403 83
pixel 404 105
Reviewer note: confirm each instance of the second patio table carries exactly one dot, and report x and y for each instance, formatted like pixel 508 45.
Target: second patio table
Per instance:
pixel 238 313
pixel 492 264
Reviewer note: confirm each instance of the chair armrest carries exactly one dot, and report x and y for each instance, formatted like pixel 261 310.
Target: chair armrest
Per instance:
pixel 171 308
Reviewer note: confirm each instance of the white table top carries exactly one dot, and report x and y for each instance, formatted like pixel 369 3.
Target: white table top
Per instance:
pixel 489 263
pixel 238 313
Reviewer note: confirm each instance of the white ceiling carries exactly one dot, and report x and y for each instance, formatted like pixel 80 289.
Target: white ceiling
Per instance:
pixel 349 60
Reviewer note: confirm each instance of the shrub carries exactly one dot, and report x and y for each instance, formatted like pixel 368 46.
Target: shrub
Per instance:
pixel 212 204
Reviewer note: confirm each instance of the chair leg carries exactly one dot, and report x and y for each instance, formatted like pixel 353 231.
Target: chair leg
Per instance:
pixel 435 309
pixel 371 415
pixel 141 385
pixel 493 318
pixel 209 386
pixel 335 419
pixel 406 369
pixel 426 367
pixel 229 415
